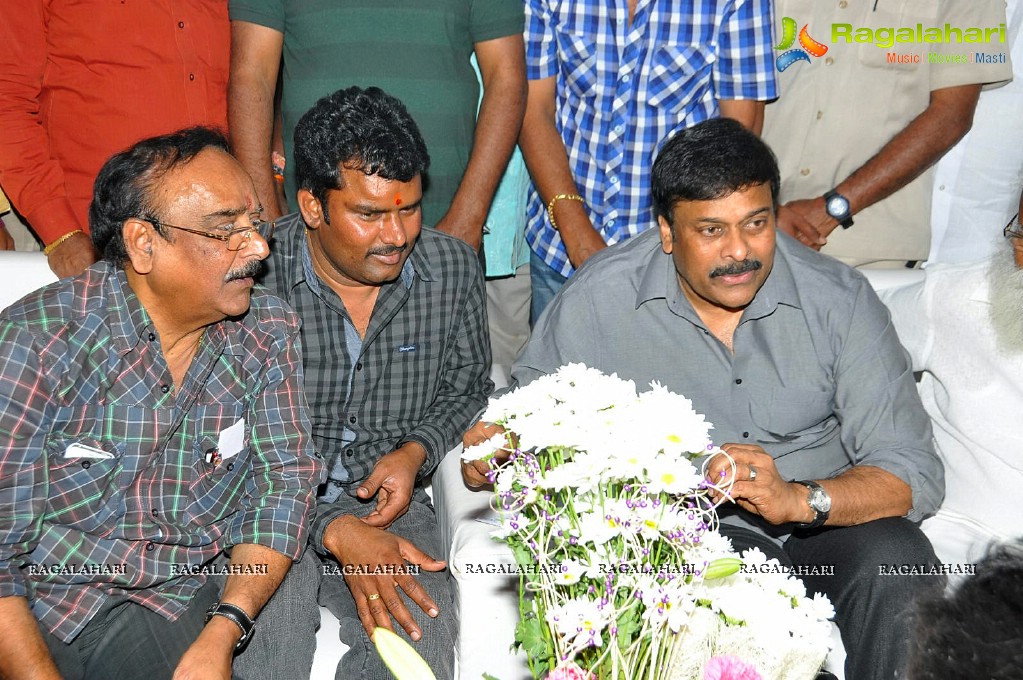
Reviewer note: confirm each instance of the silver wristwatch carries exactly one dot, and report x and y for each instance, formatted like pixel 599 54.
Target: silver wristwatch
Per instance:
pixel 838 207
pixel 819 501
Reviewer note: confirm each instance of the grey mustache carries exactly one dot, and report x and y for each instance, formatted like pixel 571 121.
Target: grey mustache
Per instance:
pixel 250 269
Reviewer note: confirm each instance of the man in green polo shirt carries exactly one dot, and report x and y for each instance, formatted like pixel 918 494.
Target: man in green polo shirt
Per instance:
pixel 416 51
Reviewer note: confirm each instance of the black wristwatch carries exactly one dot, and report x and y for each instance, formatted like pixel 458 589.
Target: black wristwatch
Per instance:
pixel 819 501
pixel 837 205
pixel 236 614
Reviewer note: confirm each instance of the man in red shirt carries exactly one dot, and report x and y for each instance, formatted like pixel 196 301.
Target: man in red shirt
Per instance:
pixel 82 79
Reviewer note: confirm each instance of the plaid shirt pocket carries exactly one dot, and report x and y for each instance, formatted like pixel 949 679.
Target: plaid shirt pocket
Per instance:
pixel 679 75
pixel 579 64
pixel 217 483
pixel 83 492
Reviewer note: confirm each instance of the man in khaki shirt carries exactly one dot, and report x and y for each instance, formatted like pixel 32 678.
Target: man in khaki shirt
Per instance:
pixel 867 118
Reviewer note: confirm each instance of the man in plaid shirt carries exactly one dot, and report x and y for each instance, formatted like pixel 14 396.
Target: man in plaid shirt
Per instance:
pixel 397 359
pixel 609 82
pixel 153 438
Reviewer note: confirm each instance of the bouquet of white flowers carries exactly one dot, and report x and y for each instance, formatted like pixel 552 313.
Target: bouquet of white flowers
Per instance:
pixel 624 574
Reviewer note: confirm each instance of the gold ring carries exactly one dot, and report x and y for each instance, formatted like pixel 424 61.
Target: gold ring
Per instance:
pixel 374 596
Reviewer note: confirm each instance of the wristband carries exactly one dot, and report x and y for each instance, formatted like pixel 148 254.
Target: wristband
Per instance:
pixel 236 614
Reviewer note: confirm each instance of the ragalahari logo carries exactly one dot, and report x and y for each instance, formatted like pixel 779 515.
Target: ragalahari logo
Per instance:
pixel 788 37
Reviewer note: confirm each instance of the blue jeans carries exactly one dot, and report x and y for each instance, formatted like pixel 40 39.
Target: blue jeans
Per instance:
pixel 289 621
pixel 545 284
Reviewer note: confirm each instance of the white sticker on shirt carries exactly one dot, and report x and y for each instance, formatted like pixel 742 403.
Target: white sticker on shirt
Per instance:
pixel 232 440
pixel 77 450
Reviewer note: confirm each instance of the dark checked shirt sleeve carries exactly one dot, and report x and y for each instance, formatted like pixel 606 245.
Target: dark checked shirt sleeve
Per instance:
pixel 110 480
pixel 420 373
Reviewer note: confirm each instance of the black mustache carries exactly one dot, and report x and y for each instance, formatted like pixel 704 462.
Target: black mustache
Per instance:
pixel 248 270
pixel 388 250
pixel 737 268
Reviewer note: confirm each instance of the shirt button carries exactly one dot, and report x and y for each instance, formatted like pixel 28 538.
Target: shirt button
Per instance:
pixel 829 61
pixel 738 381
pixel 820 114
pixel 181 24
pixel 610 223
pixel 358 366
pixel 191 76
pixel 352 420
pixel 165 388
pixel 150 547
pixel 349 453
pixel 804 172
pixel 843 4
pixel 152 337
pixel 626 78
pixel 86 464
pixel 745 435
pixel 156 513
pixel 230 466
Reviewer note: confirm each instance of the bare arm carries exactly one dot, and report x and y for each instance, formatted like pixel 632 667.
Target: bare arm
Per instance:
pixel 749 112
pixel 255 62
pixel 213 650
pixel 544 151
pixel 502 65
pixel 919 145
pixel 23 653
pixel 861 494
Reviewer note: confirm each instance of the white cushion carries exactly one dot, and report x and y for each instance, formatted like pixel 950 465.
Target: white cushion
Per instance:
pixel 20 274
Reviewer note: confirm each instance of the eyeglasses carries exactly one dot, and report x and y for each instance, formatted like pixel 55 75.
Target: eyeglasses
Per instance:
pixel 1013 229
pixel 235 237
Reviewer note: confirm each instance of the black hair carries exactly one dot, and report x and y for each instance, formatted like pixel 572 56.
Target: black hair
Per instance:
pixel 367 130
pixel 709 161
pixel 123 188
pixel 977 632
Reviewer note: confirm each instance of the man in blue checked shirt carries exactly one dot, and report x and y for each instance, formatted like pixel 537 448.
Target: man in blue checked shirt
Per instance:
pixel 153 437
pixel 609 81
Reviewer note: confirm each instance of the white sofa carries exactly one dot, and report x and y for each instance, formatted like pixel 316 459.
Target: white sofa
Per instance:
pixel 21 273
pixel 488 602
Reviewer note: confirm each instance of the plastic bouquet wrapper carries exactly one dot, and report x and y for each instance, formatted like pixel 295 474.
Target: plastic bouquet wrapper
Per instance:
pixel 623 572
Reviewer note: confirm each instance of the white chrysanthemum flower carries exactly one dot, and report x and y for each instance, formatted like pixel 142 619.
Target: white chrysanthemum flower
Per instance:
pixel 580 621
pixel 485 449
pixel 678 429
pixel 663 474
pixel 571 572
pixel 820 607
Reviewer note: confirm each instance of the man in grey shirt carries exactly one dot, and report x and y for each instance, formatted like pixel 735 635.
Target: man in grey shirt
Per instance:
pixel 791 356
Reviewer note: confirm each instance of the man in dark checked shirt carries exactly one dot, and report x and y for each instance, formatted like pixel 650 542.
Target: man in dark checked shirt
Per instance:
pixel 152 432
pixel 397 360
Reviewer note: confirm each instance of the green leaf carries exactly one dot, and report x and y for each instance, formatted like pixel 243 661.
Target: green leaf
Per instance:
pixel 529 633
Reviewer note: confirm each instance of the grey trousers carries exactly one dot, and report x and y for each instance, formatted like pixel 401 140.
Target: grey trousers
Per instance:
pixel 129 642
pixel 284 646
pixel 872 610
